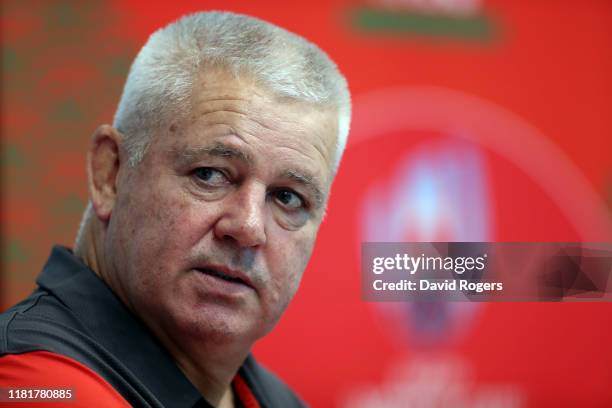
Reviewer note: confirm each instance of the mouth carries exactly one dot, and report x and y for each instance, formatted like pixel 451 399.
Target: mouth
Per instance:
pixel 225 274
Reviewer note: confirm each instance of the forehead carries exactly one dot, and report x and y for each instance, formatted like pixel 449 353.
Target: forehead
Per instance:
pixel 241 111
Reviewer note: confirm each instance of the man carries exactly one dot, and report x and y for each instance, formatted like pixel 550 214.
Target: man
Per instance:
pixel 206 195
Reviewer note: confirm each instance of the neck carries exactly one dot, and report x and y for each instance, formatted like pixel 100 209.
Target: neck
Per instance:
pixel 211 376
pixel 210 367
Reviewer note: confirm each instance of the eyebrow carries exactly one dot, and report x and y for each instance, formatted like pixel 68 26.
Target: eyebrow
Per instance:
pixel 192 154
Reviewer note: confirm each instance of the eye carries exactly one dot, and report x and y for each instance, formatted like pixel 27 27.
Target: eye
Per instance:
pixel 211 176
pixel 289 199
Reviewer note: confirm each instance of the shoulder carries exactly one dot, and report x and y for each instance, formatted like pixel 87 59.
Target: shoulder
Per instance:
pixel 43 323
pixel 42 370
pixel 40 322
pixel 267 387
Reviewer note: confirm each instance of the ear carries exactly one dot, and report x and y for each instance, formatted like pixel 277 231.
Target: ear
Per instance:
pixel 103 164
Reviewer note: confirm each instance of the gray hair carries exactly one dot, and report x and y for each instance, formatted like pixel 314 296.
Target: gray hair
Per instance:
pixel 163 74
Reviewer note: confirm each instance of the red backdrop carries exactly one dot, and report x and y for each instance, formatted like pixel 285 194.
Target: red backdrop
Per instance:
pixel 473 120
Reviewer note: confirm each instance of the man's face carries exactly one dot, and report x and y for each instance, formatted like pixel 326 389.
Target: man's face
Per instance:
pixel 211 232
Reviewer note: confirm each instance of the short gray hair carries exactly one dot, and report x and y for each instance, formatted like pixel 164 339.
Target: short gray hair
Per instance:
pixel 163 74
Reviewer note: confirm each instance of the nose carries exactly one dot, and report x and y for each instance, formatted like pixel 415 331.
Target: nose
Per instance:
pixel 242 218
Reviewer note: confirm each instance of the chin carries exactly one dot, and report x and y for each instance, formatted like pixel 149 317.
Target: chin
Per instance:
pixel 219 327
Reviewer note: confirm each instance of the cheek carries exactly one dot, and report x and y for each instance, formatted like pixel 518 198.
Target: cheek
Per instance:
pixel 168 217
pixel 290 260
pixel 154 234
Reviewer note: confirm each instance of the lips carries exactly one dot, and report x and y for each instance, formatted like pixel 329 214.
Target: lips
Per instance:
pixel 226 274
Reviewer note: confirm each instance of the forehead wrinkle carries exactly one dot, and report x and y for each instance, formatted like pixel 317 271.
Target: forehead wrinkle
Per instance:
pixel 243 114
pixel 254 106
pixel 257 108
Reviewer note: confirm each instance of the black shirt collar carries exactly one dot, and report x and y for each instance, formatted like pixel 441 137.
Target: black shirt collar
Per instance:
pixel 115 328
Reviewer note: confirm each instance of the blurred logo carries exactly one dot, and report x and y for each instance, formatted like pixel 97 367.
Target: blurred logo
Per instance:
pixel 437 193
pixel 456 19
pixel 435 382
